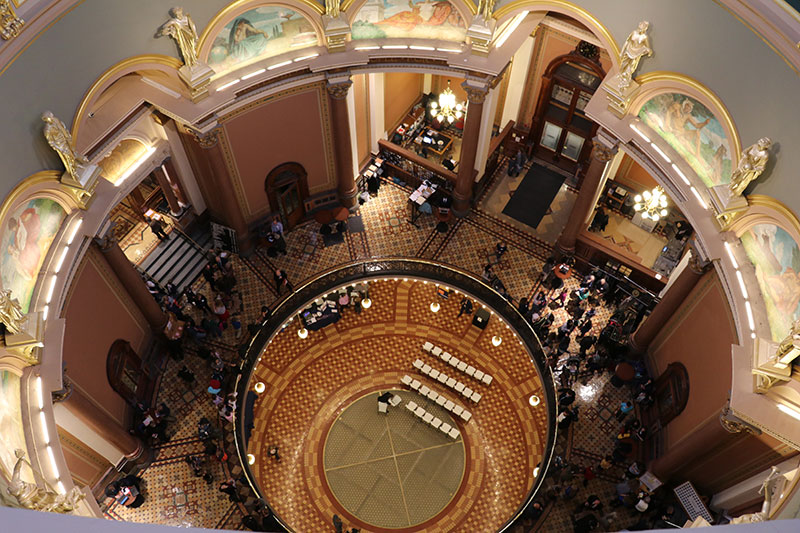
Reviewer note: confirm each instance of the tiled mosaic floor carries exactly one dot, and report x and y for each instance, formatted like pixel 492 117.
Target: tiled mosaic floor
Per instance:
pixel 387 233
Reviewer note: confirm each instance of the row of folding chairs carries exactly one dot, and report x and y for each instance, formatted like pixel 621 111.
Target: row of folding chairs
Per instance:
pixel 456 363
pixel 434 422
pixel 447 381
pixel 439 399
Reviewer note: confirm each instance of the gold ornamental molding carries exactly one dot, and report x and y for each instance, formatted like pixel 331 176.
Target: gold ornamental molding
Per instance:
pixel 347 4
pixel 773 204
pixel 44 184
pixel 568 8
pixel 677 81
pixel 112 74
pixel 10 23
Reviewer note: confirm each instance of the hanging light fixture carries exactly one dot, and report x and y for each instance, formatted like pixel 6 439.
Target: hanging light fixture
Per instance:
pixel 366 303
pixel 447 108
pixel 652 204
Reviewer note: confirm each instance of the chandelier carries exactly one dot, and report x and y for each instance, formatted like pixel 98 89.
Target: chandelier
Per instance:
pixel 446 107
pixel 652 204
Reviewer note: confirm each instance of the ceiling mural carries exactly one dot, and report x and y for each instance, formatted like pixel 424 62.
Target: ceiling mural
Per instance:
pixel 259 33
pixel 420 19
pixel 26 238
pixel 693 131
pixel 776 257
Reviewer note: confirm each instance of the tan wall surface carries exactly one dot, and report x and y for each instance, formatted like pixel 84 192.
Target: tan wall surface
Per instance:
pixel 401 91
pixel 362 109
pixel 291 126
pixel 85 465
pixel 699 336
pixel 98 311
pixel 633 175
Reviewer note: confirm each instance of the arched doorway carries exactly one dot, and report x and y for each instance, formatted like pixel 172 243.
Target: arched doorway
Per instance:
pixel 560 129
pixel 287 189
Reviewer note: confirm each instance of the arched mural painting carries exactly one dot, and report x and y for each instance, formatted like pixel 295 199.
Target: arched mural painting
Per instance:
pixel 258 33
pixel 12 436
pixel 26 237
pixel 693 131
pixel 776 257
pixel 416 19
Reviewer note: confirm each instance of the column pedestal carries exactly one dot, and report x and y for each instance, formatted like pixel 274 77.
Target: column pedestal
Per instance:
pixel 462 195
pixel 584 203
pixel 133 283
pixel 340 122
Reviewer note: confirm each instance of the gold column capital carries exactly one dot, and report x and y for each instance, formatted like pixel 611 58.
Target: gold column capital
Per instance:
pixel 602 152
pixel 207 139
pixel 338 90
pixel 475 95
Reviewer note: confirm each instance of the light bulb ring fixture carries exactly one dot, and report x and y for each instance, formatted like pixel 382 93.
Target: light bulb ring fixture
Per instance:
pixel 447 108
pixel 651 204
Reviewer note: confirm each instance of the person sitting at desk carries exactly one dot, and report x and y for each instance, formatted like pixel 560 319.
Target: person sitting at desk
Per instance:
pixel 397 139
pixel 449 163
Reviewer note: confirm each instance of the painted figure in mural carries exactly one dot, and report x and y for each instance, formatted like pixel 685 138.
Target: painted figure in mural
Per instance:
pixel 763 515
pixel 60 140
pixel 181 28
pixel 426 12
pixel 678 120
pixel 751 165
pixel 245 40
pixel 11 314
pixel 791 342
pixel 30 496
pixel 636 46
pixel 24 246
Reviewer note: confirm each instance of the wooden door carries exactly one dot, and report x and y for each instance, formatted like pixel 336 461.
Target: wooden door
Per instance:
pixel 287 189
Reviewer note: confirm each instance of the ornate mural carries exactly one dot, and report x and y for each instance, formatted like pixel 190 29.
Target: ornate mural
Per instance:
pixel 12 436
pixel 259 33
pixel 693 131
pixel 26 238
pixel 421 19
pixel 776 257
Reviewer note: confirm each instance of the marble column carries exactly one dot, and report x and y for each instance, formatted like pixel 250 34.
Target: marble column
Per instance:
pixel 342 145
pixel 602 153
pixel 166 189
pixel 462 195
pixel 133 282
pixel 219 184
pixel 105 426
pixel 674 297
pixel 175 181
pixel 137 202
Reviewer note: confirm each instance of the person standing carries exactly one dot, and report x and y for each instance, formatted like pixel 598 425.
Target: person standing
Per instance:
pixel 276 226
pixel 466 307
pixel 281 281
pixel 157 229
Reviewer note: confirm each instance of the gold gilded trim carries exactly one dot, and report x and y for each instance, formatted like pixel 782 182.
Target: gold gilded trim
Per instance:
pixel 226 13
pixel 469 4
pixel 570 9
pixel 681 79
pixel 47 184
pixel 762 200
pixel 110 73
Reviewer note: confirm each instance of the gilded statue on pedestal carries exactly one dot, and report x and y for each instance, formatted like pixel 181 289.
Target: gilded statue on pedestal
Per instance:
pixel 11 314
pixel 635 48
pixel 332 8
pixel 751 164
pixel 30 496
pixel 485 9
pixel 181 28
pixel 60 140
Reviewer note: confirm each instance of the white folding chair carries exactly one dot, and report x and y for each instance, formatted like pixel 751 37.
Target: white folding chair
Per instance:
pixel 459 387
pixel 446 356
pixel 457 410
pixel 442 378
pixel 436 423
pixel 424 390
pixel 427 347
pixel 415 384
pixel 462 366
pixel 419 411
pixel 434 374
pixel 411 406
pixel 467 392
pixel 479 375
pixel 445 428
pixel 427 418
pixel 426 369
pixel 383 407
pixel 449 405
pixel 418 364
pixel 436 351
pixel 395 401
pixel 454 433
pixel 487 379
pixel 466 415
pixel 476 397
pixel 470 370
pixel 406 380
pixel 453 362
pixel 451 382
pixel 441 400
pixel 432 395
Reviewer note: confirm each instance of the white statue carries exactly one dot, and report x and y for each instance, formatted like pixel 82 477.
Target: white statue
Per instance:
pixel 751 165
pixel 181 28
pixel 763 515
pixel 635 48
pixel 30 496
